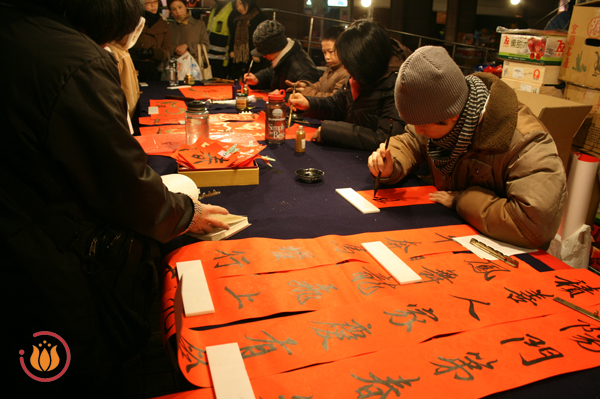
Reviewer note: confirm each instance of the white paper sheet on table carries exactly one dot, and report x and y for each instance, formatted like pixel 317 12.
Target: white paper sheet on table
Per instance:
pixel 502 247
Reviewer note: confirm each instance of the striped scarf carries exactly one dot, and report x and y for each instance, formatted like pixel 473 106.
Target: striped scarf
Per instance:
pixel 446 151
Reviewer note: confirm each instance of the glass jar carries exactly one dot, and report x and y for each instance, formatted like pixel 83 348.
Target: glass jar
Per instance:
pixel 275 124
pixel 300 139
pixel 173 79
pixel 196 121
pixel 241 102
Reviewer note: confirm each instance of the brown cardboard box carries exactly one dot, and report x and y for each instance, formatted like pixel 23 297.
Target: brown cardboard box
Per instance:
pixel 533 46
pixel 581 60
pixel 535 88
pixel 222 177
pixel 588 137
pixel 532 73
pixel 562 118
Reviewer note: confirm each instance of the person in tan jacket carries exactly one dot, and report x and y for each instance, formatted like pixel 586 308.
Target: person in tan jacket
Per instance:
pixel 491 159
pixel 334 76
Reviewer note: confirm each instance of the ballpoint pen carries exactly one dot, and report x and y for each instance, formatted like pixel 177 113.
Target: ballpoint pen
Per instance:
pixel 387 143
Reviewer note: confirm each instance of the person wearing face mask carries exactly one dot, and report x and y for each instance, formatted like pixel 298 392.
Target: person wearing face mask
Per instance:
pixel 288 60
pixel 242 25
pixel 186 31
pixel 334 76
pixel 153 46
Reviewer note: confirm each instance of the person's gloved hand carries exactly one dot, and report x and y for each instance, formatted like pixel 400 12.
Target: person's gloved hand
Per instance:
pixel 144 53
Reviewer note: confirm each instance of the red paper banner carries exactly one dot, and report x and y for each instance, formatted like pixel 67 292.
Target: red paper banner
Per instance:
pixel 390 197
pixel 471 364
pixel 411 316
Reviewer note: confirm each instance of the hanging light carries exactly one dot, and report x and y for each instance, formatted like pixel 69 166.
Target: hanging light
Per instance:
pixel 365 3
pixel 515 2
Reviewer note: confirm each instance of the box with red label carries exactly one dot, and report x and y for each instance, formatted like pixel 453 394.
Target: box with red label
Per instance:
pixel 541 48
pixel 531 73
pixel 581 61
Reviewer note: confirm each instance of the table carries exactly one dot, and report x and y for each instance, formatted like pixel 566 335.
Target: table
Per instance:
pixel 282 207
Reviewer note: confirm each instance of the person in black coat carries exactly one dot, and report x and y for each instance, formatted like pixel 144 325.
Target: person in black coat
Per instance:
pixel 80 210
pixel 242 24
pixel 358 115
pixel 289 60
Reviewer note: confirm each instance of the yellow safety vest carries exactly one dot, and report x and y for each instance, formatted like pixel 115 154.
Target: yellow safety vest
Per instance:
pixel 218 34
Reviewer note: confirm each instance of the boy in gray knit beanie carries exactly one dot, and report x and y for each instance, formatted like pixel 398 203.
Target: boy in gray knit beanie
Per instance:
pixel 490 158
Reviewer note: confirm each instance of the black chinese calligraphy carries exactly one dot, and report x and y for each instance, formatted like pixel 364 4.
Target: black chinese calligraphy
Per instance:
pixel 207 158
pixel 341 331
pixel 534 342
pixel 487 268
pixel 266 346
pixel 239 297
pixel 347 248
pixel 374 281
pixel 411 314
pixel 382 388
pixel 192 354
pixel 291 253
pixel 235 257
pixel 462 367
pixel 531 296
pixel 168 311
pixel 574 287
pixel 590 339
pixel 447 238
pixel 436 276
pixel 305 291
pixel 472 303
pixel 401 244
pixel 384 200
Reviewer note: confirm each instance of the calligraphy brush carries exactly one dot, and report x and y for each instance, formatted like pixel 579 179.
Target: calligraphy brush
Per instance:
pixel 387 143
pixel 249 68
pixel 290 116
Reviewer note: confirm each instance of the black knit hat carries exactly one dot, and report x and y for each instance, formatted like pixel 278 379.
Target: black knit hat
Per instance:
pixel 269 37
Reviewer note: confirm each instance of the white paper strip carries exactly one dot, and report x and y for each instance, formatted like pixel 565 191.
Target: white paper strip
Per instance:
pixel 357 200
pixel 392 263
pixel 580 183
pixel 228 372
pixel 194 290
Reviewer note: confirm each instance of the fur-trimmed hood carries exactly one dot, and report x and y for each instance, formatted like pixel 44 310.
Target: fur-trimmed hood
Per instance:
pixel 496 129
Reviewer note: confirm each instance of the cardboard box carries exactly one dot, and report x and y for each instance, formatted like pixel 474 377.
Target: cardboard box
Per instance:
pixel 588 137
pixel 562 118
pixel 532 73
pixel 535 88
pixel 581 61
pixel 222 177
pixel 539 49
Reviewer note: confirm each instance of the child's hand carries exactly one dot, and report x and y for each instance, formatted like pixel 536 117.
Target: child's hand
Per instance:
pixel 299 86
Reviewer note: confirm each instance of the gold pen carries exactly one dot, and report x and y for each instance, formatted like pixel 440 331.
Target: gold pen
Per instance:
pixel 506 259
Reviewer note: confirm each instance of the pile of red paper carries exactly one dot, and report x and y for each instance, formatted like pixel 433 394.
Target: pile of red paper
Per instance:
pixel 231 151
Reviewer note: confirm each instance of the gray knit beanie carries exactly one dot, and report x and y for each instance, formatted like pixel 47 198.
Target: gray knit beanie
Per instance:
pixel 268 38
pixel 430 87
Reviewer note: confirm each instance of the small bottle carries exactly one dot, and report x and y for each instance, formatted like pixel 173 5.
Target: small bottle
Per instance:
pixel 235 88
pixel 300 139
pixel 196 121
pixel 275 126
pixel 241 102
pixel 173 80
pixel 245 90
